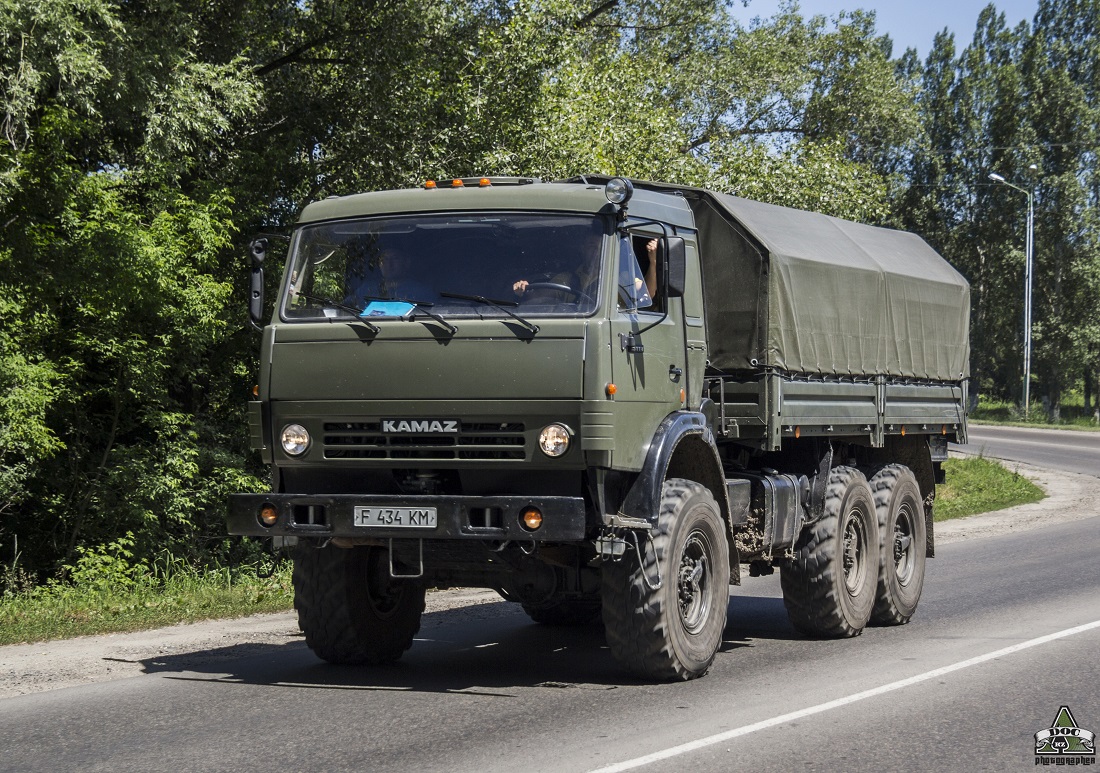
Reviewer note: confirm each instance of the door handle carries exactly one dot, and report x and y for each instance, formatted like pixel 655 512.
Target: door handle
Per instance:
pixel 674 374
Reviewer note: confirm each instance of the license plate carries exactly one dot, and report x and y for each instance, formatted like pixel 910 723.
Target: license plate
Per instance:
pixel 395 517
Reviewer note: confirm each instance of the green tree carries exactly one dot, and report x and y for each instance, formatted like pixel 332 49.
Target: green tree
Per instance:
pixel 121 347
pixel 1062 82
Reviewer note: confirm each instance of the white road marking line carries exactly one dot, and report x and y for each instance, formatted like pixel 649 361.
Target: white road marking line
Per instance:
pixel 691 746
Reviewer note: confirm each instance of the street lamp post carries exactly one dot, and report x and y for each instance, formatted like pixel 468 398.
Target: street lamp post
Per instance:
pixel 1029 261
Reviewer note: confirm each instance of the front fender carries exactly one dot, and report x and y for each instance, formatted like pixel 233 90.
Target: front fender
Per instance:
pixel 643 500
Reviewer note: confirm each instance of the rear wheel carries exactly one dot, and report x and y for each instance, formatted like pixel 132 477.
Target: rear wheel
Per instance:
pixel 904 544
pixel 349 607
pixel 671 632
pixel 829 585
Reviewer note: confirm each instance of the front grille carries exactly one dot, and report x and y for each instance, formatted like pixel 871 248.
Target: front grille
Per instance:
pixel 475 440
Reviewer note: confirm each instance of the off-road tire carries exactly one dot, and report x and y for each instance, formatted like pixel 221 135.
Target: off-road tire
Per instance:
pixel 565 611
pixel 904 542
pixel 672 633
pixel 829 585
pixel 350 609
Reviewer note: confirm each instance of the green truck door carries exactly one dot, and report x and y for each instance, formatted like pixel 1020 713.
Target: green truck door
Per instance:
pixel 649 368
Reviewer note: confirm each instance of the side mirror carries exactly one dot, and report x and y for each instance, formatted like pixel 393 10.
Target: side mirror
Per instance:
pixel 677 267
pixel 257 251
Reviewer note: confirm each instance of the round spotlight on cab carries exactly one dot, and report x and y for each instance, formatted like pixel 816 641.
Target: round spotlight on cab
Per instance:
pixel 531 518
pixel 295 439
pixel 268 514
pixel 618 190
pixel 554 439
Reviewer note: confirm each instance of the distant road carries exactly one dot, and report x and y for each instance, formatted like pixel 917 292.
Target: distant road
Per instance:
pixel 1057 449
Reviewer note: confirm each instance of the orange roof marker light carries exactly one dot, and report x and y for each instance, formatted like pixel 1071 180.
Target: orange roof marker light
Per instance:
pixel 457 183
pixel 430 185
pixel 485 182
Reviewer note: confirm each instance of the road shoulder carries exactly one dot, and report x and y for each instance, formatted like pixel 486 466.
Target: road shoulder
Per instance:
pixel 1070 497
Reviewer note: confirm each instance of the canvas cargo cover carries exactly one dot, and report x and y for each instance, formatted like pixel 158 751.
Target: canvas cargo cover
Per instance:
pixel 808 293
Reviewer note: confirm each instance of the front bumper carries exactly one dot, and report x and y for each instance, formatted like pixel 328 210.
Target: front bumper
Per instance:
pixel 469 518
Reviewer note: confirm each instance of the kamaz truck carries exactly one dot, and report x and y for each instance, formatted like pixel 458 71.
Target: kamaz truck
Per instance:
pixel 603 399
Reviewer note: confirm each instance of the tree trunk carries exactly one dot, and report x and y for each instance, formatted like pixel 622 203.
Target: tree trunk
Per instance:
pixel 1088 390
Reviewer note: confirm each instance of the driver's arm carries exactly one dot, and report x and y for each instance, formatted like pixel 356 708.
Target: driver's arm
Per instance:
pixel 651 269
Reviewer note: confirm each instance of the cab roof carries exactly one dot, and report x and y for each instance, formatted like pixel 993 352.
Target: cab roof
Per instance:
pixel 501 194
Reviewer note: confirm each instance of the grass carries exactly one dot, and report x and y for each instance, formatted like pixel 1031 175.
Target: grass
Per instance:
pixel 978 485
pixel 108 592
pixel 1009 414
pixel 62 610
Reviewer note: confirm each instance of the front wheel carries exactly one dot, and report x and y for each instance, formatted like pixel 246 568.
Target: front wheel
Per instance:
pixel 349 607
pixel 671 632
pixel 829 584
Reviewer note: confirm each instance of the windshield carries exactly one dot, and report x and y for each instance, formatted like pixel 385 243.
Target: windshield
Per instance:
pixel 457 264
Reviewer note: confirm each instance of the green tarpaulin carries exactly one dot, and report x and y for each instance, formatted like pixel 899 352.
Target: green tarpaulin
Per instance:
pixel 808 293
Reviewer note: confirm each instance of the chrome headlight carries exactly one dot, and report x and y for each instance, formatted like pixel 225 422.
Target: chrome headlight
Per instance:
pixel 618 190
pixel 295 439
pixel 554 439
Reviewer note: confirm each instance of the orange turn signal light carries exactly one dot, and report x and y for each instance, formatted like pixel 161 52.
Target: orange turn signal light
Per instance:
pixel 268 515
pixel 611 390
pixel 531 518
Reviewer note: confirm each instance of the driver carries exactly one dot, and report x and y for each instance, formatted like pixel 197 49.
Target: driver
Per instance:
pixel 582 281
pixel 585 278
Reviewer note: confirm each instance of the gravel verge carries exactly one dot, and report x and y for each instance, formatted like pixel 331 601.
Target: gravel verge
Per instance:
pixel 31 668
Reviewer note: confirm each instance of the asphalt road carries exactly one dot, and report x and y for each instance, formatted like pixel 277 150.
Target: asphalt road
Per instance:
pixel 1068 450
pixel 486 690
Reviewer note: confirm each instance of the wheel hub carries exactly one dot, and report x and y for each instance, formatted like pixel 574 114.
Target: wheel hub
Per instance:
pixel 904 560
pixel 855 551
pixel 693 583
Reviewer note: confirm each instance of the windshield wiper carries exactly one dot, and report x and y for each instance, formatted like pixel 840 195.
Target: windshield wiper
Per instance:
pixel 342 306
pixel 502 305
pixel 422 306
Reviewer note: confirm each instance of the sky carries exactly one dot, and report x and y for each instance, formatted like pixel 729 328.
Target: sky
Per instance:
pixel 909 23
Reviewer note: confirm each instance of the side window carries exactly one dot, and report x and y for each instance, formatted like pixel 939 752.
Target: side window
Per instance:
pixel 632 290
pixel 647 252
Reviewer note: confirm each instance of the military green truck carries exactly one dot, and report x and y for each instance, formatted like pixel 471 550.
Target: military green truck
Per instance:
pixel 601 398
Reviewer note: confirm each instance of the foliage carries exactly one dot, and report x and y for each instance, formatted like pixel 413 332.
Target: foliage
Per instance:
pixel 121 348
pixel 1022 103
pixel 979 485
